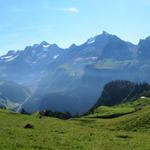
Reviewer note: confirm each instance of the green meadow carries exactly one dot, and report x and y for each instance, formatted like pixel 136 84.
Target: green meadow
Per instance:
pixel 128 131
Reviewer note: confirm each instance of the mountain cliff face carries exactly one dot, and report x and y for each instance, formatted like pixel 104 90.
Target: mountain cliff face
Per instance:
pixel 79 71
pixel 144 49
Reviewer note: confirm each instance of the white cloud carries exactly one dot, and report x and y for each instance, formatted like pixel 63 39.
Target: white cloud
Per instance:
pixel 74 10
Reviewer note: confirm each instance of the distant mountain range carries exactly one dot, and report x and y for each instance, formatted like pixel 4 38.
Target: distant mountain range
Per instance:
pixel 72 79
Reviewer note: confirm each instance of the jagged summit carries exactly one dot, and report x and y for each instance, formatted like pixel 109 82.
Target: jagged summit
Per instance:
pixel 73 46
pixel 143 41
pixel 44 43
pixel 11 52
pixel 102 34
pixel 147 38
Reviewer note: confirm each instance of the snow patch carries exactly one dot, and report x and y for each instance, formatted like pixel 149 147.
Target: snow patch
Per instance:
pixel 9 58
pixel 56 56
pixel 91 41
pixel 12 58
pixel 46 46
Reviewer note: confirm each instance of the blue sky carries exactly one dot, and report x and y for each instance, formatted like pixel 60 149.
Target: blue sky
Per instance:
pixel 26 22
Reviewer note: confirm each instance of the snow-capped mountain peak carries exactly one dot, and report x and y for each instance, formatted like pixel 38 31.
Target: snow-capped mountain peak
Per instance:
pixel 44 43
pixel 103 33
pixel 93 39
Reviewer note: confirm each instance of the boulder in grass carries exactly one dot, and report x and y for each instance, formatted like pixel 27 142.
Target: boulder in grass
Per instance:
pixel 28 126
pixel 123 136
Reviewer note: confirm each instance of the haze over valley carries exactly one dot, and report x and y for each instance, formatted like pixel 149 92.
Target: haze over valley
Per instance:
pixel 71 80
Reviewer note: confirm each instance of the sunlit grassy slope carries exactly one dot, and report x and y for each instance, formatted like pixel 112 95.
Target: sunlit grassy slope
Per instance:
pixel 127 132
pixel 110 112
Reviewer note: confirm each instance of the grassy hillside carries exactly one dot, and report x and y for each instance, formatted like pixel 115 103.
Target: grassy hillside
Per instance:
pixel 110 112
pixel 121 109
pixel 127 132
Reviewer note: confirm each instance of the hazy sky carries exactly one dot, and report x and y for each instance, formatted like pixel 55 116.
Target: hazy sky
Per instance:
pixel 25 22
